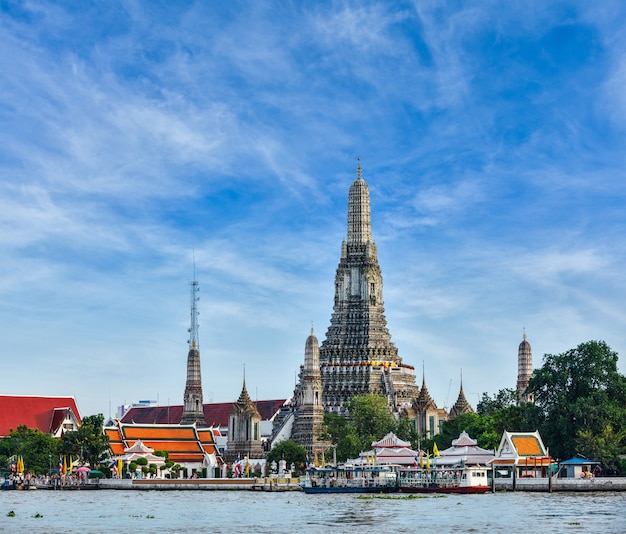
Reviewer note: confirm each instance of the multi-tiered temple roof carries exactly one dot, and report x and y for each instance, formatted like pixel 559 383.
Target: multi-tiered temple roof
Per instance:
pixel 357 355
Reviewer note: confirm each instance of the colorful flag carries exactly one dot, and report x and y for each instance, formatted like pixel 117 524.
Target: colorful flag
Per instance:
pixel 237 467
pixel 60 465
pixel 65 465
pixel 119 466
pixel 435 450
pixel 306 462
pixel 416 460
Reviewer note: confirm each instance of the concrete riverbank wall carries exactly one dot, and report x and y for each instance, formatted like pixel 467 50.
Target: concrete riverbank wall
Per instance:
pixel 562 484
pixel 247 484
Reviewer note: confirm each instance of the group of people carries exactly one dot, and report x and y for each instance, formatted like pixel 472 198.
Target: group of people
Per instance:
pixel 30 480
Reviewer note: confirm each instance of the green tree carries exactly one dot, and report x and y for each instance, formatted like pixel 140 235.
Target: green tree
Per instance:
pixel 289 451
pixel 479 427
pixel 581 395
pixel 405 429
pixel 343 434
pixel 89 443
pixel 605 447
pixel 522 417
pixel 40 451
pixel 371 416
pixel 369 419
pixel 505 398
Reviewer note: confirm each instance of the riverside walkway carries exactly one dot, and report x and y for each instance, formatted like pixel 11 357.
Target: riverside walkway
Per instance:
pixel 246 484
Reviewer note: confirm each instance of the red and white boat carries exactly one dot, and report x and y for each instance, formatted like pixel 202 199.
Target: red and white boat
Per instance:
pixel 441 479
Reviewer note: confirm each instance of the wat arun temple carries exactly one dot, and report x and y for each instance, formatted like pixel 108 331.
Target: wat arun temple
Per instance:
pixel 358 357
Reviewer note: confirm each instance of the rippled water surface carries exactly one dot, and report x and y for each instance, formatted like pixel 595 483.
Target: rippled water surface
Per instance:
pixel 292 512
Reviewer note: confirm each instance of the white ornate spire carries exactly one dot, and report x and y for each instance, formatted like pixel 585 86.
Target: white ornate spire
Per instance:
pixel 359 219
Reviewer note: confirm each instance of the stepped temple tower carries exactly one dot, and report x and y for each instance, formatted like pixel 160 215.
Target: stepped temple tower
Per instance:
pixel 428 418
pixel 244 429
pixel 309 410
pixel 461 405
pixel 192 400
pixel 357 355
pixel 524 369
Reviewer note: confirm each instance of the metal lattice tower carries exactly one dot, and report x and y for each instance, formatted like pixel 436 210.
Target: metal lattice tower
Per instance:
pixel 193 411
pixel 193 341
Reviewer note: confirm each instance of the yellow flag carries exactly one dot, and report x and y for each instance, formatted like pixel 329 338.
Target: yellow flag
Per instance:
pixel 65 465
pixel 247 467
pixel 427 460
pixel 421 459
pixel 435 450
pixel 316 462
pixel 71 465
pixel 323 460
pixel 119 467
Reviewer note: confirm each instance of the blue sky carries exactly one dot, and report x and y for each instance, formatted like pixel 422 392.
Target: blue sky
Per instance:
pixel 134 135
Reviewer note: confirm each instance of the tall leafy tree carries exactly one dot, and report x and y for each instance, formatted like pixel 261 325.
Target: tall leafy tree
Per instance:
pixel 368 420
pixel 38 449
pixel 343 434
pixel 371 416
pixel 289 451
pixel 480 427
pixel 505 398
pixel 89 443
pixel 581 394
pixel 405 429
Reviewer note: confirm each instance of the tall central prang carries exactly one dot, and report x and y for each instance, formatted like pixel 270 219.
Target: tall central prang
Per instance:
pixel 357 355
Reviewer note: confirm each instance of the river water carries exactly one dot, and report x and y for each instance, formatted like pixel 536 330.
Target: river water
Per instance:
pixel 294 512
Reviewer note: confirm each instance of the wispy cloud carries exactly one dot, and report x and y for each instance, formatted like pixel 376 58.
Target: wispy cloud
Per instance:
pixel 132 134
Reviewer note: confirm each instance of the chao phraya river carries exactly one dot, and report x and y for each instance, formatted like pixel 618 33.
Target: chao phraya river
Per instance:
pixel 294 512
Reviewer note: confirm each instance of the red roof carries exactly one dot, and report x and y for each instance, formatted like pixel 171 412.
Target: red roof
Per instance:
pixel 34 411
pixel 214 414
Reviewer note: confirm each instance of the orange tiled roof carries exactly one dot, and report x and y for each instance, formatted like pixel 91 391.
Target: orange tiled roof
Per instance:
pixel 210 449
pixel 527 446
pixel 182 443
pixel 177 446
pixel 180 457
pixel 207 436
pixel 158 432
pixel 115 441
pixel 503 461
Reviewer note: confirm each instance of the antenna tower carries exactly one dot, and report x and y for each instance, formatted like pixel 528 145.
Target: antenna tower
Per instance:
pixel 193 341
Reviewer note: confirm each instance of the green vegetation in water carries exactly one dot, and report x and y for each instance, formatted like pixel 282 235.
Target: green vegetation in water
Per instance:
pixel 10 513
pixel 38 515
pixel 400 497
pixel 574 523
